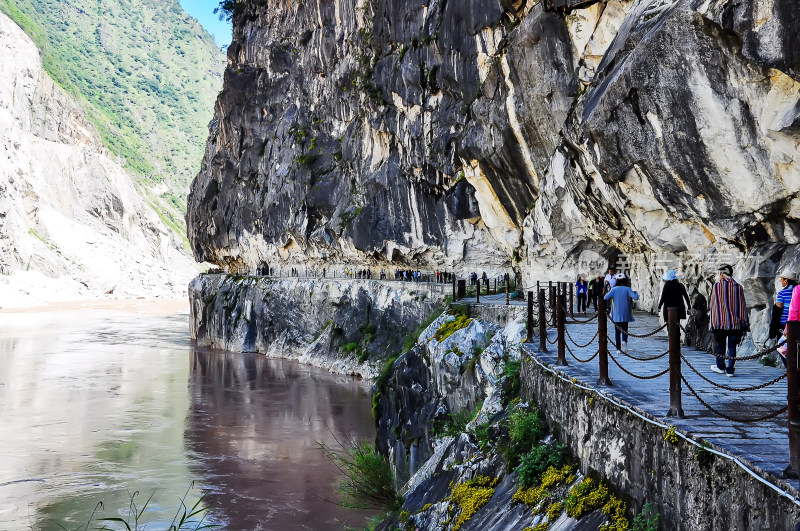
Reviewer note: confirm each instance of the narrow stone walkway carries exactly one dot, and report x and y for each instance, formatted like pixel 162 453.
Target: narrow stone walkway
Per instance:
pixel 764 444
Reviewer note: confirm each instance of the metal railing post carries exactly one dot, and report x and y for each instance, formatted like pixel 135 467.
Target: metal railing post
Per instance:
pixel 793 397
pixel 571 299
pixel 507 294
pixel 478 291
pixel 529 322
pixel 454 287
pixel 674 331
pixel 602 339
pixel 560 324
pixel 542 323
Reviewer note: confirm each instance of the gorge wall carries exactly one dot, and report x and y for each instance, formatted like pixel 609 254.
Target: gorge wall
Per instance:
pixel 345 326
pixel 72 221
pixel 554 136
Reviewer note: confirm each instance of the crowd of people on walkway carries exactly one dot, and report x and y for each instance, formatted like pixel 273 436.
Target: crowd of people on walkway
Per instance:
pixel 729 319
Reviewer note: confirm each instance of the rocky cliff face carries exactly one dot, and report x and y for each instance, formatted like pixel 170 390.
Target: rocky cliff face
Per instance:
pixel 346 326
pixel 72 223
pixel 552 136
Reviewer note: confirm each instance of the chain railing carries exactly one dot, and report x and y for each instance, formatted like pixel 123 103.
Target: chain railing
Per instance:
pixel 569 336
pixel 553 311
pixel 731 417
pixel 728 388
pixel 637 376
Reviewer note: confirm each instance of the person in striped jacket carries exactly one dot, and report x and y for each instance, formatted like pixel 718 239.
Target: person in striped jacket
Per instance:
pixel 729 319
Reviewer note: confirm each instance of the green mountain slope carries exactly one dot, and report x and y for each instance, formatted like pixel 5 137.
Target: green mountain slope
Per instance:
pixel 147 74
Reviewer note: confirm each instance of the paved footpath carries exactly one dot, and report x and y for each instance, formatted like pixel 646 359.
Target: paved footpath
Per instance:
pixel 764 444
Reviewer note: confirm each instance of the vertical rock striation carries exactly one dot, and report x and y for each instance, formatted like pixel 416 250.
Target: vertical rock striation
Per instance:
pixel 549 136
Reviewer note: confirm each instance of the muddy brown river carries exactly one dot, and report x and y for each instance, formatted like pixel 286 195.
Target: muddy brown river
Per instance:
pixel 97 405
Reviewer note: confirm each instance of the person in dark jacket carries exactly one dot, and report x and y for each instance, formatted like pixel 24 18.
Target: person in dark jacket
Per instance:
pixel 673 295
pixel 595 290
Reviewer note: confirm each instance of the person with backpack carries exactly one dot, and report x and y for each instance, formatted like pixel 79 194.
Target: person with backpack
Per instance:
pixel 621 297
pixel 673 295
pixel 729 320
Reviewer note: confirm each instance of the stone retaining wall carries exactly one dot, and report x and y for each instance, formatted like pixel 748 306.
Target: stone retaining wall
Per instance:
pixel 693 490
pixel 498 314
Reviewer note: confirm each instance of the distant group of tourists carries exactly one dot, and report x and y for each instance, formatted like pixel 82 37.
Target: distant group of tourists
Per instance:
pixel 408 275
pixel 443 277
pixel 358 273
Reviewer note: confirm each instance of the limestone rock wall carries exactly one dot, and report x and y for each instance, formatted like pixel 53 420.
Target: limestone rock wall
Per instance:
pixel 555 136
pixel 346 326
pixel 437 378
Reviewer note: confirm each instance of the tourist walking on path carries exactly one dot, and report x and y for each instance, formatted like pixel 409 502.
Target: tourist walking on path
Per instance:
pixel 581 290
pixel 610 281
pixel 783 300
pixel 621 297
pixel 729 320
pixel 673 295
pixel 595 290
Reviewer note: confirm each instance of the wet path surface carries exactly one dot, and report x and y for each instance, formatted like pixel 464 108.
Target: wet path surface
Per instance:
pixel 98 404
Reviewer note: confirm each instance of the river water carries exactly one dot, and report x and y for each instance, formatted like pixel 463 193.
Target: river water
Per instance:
pixel 98 404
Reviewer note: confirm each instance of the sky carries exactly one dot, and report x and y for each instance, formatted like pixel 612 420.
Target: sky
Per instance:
pixel 203 11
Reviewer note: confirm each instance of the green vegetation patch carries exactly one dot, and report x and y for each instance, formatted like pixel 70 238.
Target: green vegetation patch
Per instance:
pixel 525 429
pixel 512 384
pixel 455 423
pixel 539 460
pixel 365 478
pixel 647 520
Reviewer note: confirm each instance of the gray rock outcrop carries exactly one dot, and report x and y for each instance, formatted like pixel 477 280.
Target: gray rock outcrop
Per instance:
pixel 552 136
pixel 345 326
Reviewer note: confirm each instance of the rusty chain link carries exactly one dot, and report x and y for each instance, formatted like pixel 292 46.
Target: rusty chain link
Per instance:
pixel 576 343
pixel 757 355
pixel 728 417
pixel 745 358
pixel 571 315
pixel 736 389
pixel 614 347
pixel 640 377
pixel 579 360
pixel 649 334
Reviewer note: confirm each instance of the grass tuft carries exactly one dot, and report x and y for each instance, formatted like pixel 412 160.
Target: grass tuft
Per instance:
pixel 365 478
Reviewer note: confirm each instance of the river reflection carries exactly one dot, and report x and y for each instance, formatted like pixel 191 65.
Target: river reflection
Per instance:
pixel 97 404
pixel 254 424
